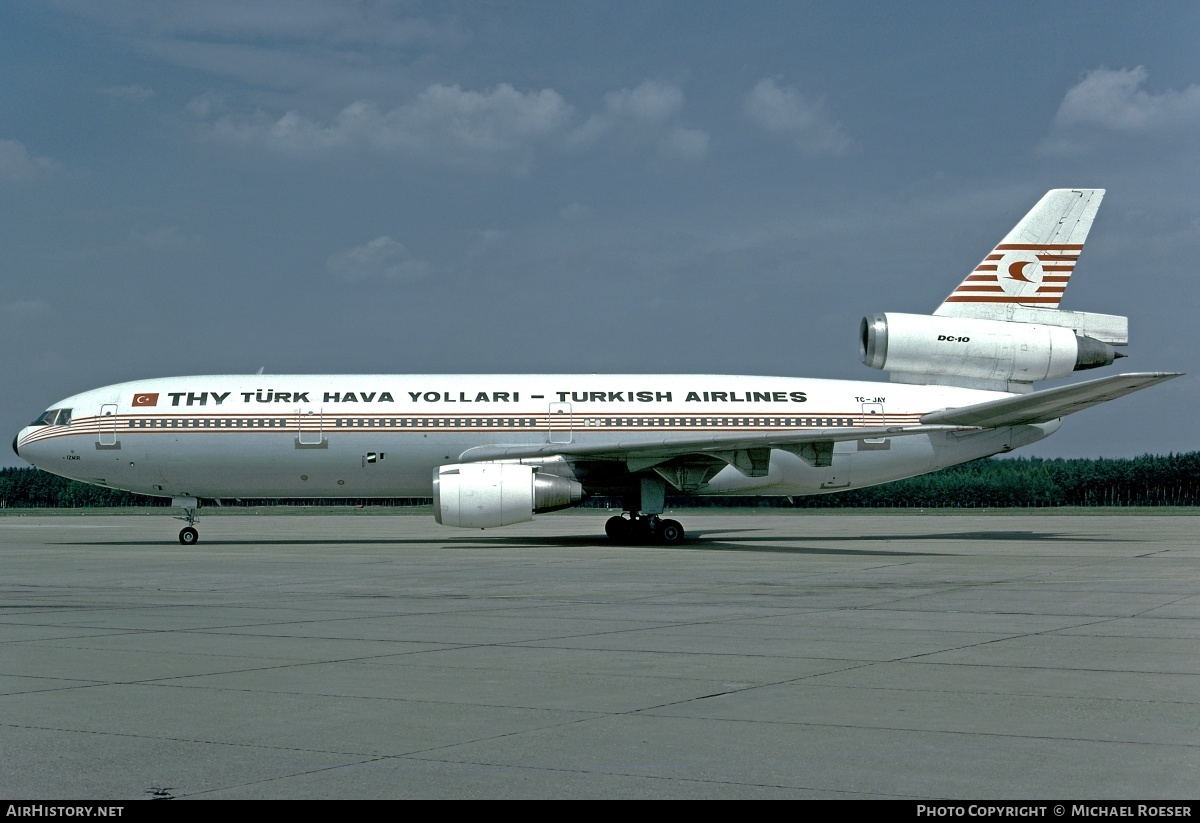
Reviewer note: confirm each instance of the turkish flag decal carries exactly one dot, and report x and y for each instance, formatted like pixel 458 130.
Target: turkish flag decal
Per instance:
pixel 146 399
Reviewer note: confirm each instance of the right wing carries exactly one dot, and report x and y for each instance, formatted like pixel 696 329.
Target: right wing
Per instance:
pixel 748 452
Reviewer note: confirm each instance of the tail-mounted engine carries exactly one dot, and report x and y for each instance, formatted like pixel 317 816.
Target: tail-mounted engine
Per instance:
pixel 486 495
pixel 985 354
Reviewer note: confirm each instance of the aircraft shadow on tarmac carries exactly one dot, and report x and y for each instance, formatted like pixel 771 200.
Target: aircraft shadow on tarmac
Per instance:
pixel 751 540
pixel 750 545
pixel 725 540
pixel 956 536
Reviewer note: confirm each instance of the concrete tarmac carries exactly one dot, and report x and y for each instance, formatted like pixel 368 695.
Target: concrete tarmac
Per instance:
pixel 785 656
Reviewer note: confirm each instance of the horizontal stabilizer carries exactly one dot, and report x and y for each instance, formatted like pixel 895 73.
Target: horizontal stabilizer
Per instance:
pixel 1043 406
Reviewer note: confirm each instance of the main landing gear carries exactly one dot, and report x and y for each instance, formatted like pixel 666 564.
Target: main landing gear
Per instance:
pixel 191 506
pixel 644 500
pixel 644 528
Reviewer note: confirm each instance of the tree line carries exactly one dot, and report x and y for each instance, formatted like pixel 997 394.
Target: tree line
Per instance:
pixel 1149 480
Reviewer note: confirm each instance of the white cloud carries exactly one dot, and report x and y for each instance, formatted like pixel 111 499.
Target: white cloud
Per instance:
pixel 1110 103
pixel 166 238
pixel 324 21
pixel 641 116
pixel 381 259
pixel 311 55
pixel 651 102
pixel 18 165
pixel 684 144
pixel 134 93
pixel 498 129
pixel 26 309
pixel 206 105
pixel 444 124
pixel 788 112
pixel 491 237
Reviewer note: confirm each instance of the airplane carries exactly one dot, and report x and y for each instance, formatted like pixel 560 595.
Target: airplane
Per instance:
pixel 494 450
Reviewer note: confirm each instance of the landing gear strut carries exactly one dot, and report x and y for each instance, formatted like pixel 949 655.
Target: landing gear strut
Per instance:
pixel 191 506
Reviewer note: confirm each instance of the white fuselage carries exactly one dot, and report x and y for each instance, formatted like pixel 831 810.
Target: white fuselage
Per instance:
pixel 362 436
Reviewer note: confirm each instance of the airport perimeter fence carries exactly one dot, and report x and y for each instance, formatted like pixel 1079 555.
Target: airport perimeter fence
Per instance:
pixel 1150 480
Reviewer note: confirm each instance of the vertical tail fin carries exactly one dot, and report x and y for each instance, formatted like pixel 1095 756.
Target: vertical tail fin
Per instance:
pixel 1032 265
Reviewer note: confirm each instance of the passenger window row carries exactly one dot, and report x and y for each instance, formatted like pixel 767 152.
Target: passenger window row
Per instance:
pixel 471 422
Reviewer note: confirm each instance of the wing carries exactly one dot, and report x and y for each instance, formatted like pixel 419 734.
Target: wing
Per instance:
pixel 1050 404
pixel 749 453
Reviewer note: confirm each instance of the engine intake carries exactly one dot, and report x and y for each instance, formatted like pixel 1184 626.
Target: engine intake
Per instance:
pixel 973 352
pixel 486 495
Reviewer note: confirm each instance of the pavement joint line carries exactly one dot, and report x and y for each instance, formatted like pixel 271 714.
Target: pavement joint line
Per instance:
pixel 967 599
pixel 550 770
pixel 595 716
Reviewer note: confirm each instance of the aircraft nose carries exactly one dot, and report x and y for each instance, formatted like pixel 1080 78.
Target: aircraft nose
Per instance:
pixel 17 452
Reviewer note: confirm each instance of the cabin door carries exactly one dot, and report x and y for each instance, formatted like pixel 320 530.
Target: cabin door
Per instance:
pixel 558 423
pixel 872 415
pixel 108 424
pixel 310 429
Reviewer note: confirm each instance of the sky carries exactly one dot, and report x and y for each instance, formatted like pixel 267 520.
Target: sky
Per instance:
pixel 311 186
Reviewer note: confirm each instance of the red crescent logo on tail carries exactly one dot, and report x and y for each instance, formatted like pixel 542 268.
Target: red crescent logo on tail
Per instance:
pixel 1017 271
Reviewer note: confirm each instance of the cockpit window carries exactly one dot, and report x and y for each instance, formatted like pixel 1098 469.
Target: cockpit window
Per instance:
pixel 53 417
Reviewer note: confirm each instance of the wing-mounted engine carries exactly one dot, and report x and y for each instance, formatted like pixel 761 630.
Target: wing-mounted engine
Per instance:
pixel 486 495
pixel 988 354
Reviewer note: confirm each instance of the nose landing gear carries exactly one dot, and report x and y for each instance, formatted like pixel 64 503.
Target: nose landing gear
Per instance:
pixel 188 535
